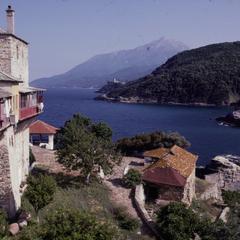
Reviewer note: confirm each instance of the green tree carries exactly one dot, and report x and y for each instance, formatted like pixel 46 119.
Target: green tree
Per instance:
pixel 143 142
pixel 40 190
pixel 177 222
pixel 132 178
pixel 102 130
pixel 76 225
pixel 85 146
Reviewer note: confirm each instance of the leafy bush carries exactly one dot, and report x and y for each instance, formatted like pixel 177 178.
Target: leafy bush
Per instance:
pixel 143 142
pixel 177 222
pixel 132 178
pixel 125 221
pixel 76 225
pixel 3 223
pixel 231 198
pixel 40 190
pixel 32 158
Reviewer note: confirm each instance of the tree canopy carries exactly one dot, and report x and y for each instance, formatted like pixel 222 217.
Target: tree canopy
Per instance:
pixel 148 141
pixel 83 145
pixel 176 221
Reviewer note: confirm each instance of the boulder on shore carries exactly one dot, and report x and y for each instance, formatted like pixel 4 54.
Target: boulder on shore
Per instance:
pixel 232 119
pixel 225 170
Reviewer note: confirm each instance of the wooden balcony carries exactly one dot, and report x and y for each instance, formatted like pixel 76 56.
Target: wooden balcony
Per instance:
pixel 29 112
pixel 31 103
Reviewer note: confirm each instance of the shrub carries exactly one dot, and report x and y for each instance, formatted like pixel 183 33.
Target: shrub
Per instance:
pixel 125 221
pixel 143 142
pixel 3 223
pixel 132 178
pixel 231 198
pixel 32 158
pixel 76 225
pixel 40 191
pixel 177 222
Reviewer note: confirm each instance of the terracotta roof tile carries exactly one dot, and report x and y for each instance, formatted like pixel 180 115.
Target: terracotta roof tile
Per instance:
pixel 40 127
pixel 164 176
pixel 156 153
pixel 177 158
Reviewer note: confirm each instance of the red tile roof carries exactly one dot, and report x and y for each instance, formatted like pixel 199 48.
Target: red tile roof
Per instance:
pixel 164 176
pixel 173 166
pixel 40 127
pixel 177 158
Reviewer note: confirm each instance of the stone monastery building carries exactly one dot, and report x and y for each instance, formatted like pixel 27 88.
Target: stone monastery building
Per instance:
pixel 19 105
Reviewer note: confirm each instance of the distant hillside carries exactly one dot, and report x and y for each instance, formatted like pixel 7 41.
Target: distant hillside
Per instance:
pixel 206 75
pixel 124 65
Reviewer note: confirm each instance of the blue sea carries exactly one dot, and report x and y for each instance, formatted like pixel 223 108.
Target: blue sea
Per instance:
pixel 197 124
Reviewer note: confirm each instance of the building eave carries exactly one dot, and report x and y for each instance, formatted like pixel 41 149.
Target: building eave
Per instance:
pixel 14 36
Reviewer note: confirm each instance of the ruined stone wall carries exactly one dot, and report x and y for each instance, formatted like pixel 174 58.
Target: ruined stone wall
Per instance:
pixel 170 193
pixel 189 189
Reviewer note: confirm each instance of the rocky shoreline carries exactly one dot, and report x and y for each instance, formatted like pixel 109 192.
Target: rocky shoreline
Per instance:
pixel 232 119
pixel 137 100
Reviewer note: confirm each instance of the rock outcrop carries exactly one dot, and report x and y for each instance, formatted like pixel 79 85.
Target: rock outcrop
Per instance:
pixel 225 171
pixel 232 119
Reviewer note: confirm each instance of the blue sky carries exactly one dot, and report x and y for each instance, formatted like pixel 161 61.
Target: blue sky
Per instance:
pixel 64 33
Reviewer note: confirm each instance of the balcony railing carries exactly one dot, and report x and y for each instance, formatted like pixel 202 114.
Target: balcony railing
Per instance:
pixel 29 112
pixel 31 104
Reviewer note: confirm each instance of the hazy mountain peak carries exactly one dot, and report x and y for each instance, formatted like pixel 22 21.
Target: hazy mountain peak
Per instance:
pixel 125 65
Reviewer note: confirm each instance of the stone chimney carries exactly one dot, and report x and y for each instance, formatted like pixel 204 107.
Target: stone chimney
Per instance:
pixel 10 20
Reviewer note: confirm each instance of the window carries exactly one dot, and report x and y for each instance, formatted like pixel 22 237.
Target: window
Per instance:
pixel 23 100
pixel 17 52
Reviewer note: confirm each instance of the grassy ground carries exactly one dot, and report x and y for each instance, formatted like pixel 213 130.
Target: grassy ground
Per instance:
pixel 72 193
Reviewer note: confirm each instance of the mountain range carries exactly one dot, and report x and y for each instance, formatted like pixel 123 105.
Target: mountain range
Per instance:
pixel 124 65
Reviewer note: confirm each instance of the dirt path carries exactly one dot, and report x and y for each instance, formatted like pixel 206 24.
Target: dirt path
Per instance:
pixel 47 159
pixel 119 194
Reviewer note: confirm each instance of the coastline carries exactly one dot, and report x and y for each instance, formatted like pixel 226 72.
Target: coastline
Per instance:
pixel 136 100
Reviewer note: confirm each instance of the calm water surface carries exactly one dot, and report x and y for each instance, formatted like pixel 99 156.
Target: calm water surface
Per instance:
pixel 197 124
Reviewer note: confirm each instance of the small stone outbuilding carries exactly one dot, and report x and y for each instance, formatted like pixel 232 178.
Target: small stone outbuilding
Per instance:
pixel 170 174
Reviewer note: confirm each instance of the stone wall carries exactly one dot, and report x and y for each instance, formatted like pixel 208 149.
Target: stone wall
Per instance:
pixel 170 193
pixel 14 166
pixel 5 54
pixel 139 200
pixel 5 176
pixel 225 171
pixel 14 58
pixel 19 60
pixel 189 189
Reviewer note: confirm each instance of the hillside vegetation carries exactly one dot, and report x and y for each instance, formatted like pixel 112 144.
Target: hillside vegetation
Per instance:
pixel 206 75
